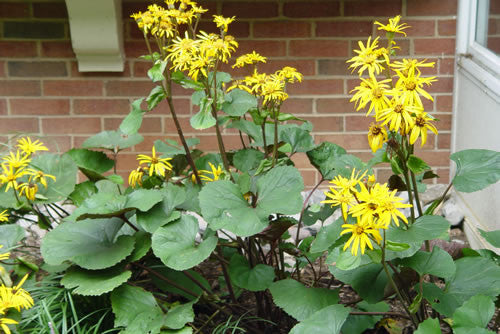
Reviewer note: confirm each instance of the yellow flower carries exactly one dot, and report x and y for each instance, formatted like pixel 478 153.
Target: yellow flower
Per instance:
pixel 408 64
pixel 38 175
pixel 28 190
pixel 373 92
pixel 399 115
pixel 249 59
pixel 10 175
pixel 360 237
pixel 4 216
pixel 390 206
pixel 422 123
pixel 215 172
pixel 4 256
pixel 17 160
pixel 274 90
pixel 135 177
pixel 156 165
pixel 377 136
pixel 6 321
pixel 348 184
pixel 289 74
pixel 368 58
pixel 393 26
pixel 223 22
pixel 342 198
pixel 409 86
pixel 369 201
pixel 28 147
pixel 15 297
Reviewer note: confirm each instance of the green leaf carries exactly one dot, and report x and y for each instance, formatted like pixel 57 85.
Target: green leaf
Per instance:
pixel 179 315
pixel 144 199
pixel 476 169
pixel 222 77
pixel 476 312
pixel 396 246
pixel 112 140
pixel 181 279
pixel 63 168
pixel 128 301
pixel 323 158
pixel 429 326
pixel 378 157
pixel 438 263
pixel 417 165
pixel 145 322
pixel 356 324
pixel 299 301
pixel 91 163
pixel 282 117
pixel 474 276
pixel 170 148
pixel 10 235
pixel 241 102
pixel 425 228
pixel 203 119
pixel 258 278
pixel 327 320
pixel 247 159
pixel 89 243
pixel 175 244
pixel 156 95
pixel 179 78
pixel 299 139
pixel 94 282
pixel 142 246
pixel 132 123
pixel 368 280
pixel 326 236
pixel 155 73
pixel 493 237
pixel 185 330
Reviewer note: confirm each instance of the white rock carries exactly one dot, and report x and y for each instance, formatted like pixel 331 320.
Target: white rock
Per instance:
pixel 452 213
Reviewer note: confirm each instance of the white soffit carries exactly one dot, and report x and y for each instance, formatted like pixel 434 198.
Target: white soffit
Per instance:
pixel 96 34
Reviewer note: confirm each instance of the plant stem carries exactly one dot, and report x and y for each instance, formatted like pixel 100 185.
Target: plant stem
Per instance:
pixel 410 194
pixel 59 208
pixel 415 190
pixel 220 142
pixel 241 138
pixel 263 126
pixel 226 276
pixel 165 279
pixel 304 206
pixel 195 281
pixel 393 314
pixel 129 223
pixel 275 147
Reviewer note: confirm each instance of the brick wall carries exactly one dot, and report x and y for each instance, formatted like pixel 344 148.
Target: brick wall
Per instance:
pixel 42 92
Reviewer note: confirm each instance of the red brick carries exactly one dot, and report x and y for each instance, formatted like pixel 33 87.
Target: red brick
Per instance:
pixel 35 69
pixel 301 161
pixel 50 10
pixel 358 123
pixel 494 7
pixel 347 141
pixel 282 29
pixel 382 8
pixel 317 87
pixel 17 49
pixel 447 27
pixel 265 48
pixel 443 85
pixel 250 9
pixel 101 107
pixel 444 175
pixel 312 9
pixel 431 7
pixel 236 29
pixel 181 107
pixel 209 142
pixel 318 48
pixel 336 105
pixel 444 141
pixel 149 124
pixel 72 88
pixel 494 44
pixel 297 106
pixel 309 177
pixel 2 69
pixel 433 158
pixel 344 29
pixel 444 103
pixel 3 107
pixel 186 127
pixel 429 71
pixel 383 175
pixel 326 123
pixel 435 46
pixel 494 26
pixel 141 68
pixel 19 88
pixel 128 88
pixel 88 75
pixel 444 123
pixel 306 67
pixel 71 125
pixel 136 49
pixel 17 124
pixel 420 27
pixel 39 106
pixel 446 65
pixel 14 10
pixel 333 67
pixel 57 144
pixel 57 50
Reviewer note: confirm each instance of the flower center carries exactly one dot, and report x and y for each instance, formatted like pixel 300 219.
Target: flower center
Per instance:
pixel 410 85
pixel 360 230
pixel 419 121
pixel 376 130
pixel 398 108
pixel 377 93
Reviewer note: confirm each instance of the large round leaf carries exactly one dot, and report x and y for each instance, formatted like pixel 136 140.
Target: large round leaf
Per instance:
pixel 299 301
pixel 476 169
pixel 10 235
pixel 94 282
pixel 129 301
pixel 257 278
pixel 89 243
pixel 323 158
pixel 112 140
pixel 91 163
pixel 425 228
pixel 327 320
pixel 175 244
pixel 438 263
pixel 240 102
pixel 63 168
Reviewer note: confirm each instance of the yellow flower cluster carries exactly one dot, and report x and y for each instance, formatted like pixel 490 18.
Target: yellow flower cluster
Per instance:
pixel 13 298
pixel 396 101
pixel 154 165
pixel 164 22
pixel 269 87
pixel 15 167
pixel 209 175
pixel 372 204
